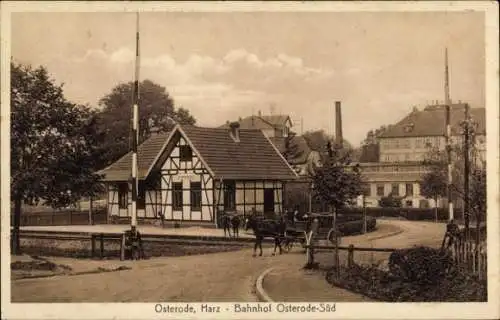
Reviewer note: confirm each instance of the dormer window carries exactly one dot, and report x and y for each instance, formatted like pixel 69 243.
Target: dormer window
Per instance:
pixel 409 127
pixel 186 154
pixel 286 131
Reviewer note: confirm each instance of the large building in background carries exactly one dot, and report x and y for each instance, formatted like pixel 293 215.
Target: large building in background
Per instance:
pixel 403 147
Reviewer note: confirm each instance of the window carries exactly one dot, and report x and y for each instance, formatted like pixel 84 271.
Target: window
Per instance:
pixel 195 190
pixel 395 189
pixel 380 190
pixel 141 196
pixel 367 190
pixel 229 195
pixel 409 189
pixel 418 143
pixel 285 131
pixel 123 195
pixel 186 154
pixel 177 200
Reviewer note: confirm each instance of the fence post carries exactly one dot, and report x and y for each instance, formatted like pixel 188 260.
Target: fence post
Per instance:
pixel 476 254
pixel 91 220
pixel 70 217
pixel 310 250
pixel 92 245
pixel 122 248
pixel 102 245
pixel 350 256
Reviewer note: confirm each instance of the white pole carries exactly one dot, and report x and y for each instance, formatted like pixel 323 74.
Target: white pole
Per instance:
pixel 448 136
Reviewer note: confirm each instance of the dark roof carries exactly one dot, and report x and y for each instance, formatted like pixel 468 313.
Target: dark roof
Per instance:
pixel 261 122
pixel 253 158
pixel 299 142
pixel 146 154
pixel 431 122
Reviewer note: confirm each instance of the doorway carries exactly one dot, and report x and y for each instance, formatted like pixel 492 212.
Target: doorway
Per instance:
pixel 269 200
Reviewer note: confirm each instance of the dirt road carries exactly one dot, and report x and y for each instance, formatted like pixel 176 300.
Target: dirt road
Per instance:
pixel 220 277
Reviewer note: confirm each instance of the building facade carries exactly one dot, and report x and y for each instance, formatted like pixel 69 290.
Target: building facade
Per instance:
pixel 404 146
pixel 195 174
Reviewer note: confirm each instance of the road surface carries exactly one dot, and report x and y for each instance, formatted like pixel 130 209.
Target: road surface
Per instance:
pixel 220 277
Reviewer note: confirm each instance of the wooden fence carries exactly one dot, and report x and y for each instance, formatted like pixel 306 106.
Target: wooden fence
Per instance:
pixel 466 254
pixel 472 257
pixel 62 217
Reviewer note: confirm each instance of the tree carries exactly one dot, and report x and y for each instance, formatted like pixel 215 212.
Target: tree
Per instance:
pixel 317 140
pixel 433 185
pixel 156 112
pixel 54 145
pixel 337 182
pixel 292 149
pixel 436 162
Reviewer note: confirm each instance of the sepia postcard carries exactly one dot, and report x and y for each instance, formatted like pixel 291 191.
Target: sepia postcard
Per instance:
pixel 250 160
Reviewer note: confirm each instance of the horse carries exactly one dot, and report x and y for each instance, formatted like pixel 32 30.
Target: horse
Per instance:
pixel 235 223
pixel 266 229
pixel 226 224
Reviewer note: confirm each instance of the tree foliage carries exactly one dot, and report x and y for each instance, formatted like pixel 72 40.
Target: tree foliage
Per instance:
pixel 54 143
pixel 337 182
pixel 390 201
pixel 292 149
pixel 156 112
pixel 317 140
pixel 434 183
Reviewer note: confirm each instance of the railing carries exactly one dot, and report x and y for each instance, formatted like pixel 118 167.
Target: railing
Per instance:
pixel 62 217
pixel 97 241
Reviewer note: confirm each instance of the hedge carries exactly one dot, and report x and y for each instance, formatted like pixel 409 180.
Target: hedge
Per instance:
pixel 407 213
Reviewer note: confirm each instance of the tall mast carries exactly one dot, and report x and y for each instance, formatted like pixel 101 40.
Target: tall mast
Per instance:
pixel 448 133
pixel 135 128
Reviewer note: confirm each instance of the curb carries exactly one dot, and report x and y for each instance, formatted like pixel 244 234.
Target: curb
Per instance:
pixel 387 235
pixel 259 289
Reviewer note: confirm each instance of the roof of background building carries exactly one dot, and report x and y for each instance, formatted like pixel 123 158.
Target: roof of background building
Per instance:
pixel 431 122
pixel 253 158
pixel 262 122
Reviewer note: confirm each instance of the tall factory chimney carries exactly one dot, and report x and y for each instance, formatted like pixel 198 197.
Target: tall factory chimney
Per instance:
pixel 338 125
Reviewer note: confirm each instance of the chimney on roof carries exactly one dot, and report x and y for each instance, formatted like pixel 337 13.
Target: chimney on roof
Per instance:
pixel 234 131
pixel 260 113
pixel 338 124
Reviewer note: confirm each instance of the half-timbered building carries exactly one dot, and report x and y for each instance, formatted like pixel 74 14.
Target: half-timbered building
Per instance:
pixel 194 174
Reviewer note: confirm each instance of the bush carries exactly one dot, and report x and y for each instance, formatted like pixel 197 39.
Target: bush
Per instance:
pixel 377 284
pixel 422 265
pixel 421 275
pixel 355 227
pixel 390 201
pixel 407 213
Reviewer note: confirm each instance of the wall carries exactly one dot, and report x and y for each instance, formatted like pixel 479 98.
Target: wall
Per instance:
pixel 186 172
pixel 250 195
pixel 417 148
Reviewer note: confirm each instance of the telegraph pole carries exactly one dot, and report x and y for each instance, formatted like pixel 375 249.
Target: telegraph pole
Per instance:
pixel 448 135
pixel 135 129
pixel 466 171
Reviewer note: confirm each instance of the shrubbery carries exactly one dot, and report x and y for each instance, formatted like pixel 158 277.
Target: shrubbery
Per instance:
pixel 407 213
pixel 355 227
pixel 416 275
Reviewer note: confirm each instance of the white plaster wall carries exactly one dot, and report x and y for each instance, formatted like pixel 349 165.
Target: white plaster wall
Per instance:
pixel 186 176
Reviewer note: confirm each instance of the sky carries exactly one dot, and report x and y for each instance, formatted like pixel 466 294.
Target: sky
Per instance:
pixel 221 66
